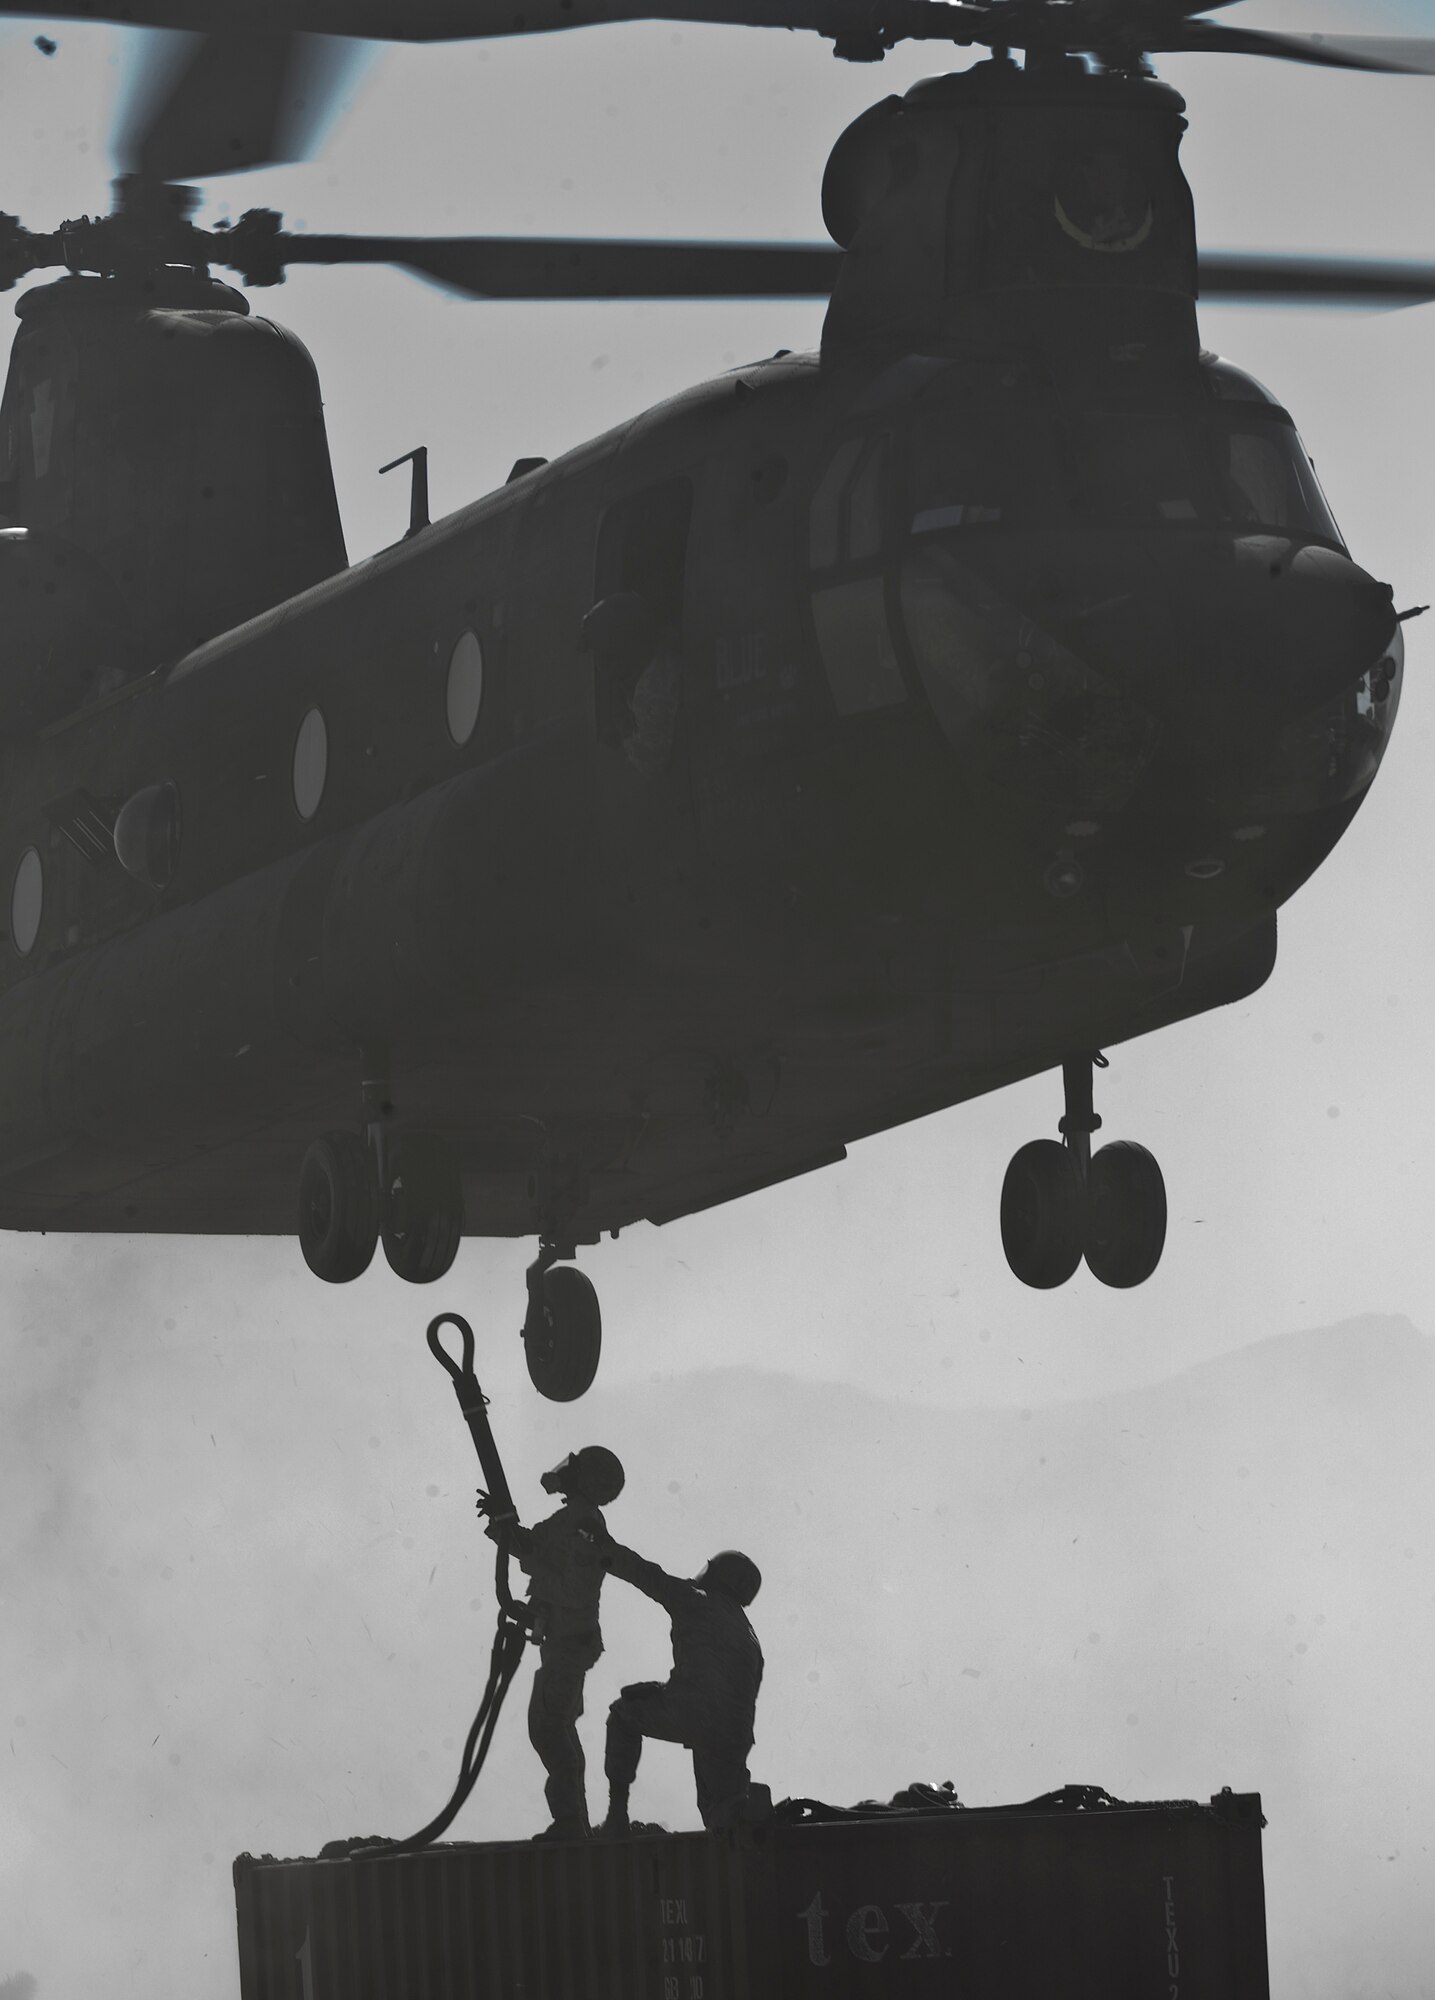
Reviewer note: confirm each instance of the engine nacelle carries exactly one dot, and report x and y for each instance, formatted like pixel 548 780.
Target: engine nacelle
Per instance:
pixel 178 442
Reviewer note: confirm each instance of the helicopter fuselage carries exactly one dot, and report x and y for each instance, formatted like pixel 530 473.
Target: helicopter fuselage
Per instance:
pixel 828 746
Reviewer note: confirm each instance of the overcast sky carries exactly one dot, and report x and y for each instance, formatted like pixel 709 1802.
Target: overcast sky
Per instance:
pixel 1294 1129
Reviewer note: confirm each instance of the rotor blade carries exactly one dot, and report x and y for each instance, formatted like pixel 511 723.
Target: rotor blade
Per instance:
pixel 216 104
pixel 1392 54
pixel 463 20
pixel 871 23
pixel 1332 281
pixel 546 267
pixel 1412 54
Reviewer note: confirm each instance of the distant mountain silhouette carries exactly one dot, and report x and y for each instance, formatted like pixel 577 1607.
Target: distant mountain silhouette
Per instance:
pixel 19 1986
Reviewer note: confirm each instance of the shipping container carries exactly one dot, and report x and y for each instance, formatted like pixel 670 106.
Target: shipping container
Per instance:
pixel 1073 1897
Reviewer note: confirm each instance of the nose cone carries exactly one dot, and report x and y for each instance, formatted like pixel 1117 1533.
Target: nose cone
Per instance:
pixel 1078 663
pixel 1255 655
pixel 1220 637
pixel 1225 700
pixel 1260 632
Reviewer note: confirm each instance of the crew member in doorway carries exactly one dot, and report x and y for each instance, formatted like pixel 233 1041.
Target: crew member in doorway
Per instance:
pixel 709 1699
pixel 653 703
pixel 564 1560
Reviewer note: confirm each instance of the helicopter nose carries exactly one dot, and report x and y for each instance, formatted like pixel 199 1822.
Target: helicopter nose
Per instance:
pixel 1267 628
pixel 1229 667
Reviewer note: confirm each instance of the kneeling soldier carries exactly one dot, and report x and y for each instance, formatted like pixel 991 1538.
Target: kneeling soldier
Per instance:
pixel 708 1701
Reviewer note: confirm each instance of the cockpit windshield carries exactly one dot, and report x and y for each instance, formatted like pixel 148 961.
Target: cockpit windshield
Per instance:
pixel 1234 467
pixel 1225 468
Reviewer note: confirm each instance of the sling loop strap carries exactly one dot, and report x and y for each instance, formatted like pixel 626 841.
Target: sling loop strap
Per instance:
pixel 507 1655
pixel 511 1636
pixel 474 1404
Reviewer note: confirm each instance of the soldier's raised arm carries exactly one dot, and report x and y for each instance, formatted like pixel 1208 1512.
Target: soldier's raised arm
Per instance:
pixel 505 1529
pixel 629 1567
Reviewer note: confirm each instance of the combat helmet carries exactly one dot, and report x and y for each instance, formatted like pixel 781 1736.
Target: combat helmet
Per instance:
pixel 733 1573
pixel 594 1473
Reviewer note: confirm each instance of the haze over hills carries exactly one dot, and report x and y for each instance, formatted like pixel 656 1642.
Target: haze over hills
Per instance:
pixel 245 1606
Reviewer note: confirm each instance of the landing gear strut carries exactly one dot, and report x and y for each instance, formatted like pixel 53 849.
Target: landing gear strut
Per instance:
pixel 563 1330
pixel 1061 1202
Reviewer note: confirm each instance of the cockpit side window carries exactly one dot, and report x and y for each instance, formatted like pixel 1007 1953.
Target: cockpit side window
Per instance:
pixel 1271 483
pixel 1257 479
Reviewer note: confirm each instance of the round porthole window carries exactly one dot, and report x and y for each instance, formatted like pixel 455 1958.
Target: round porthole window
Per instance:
pixel 27 900
pixel 465 687
pixel 311 764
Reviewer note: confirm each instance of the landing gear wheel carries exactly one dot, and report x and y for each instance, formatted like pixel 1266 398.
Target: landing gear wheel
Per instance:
pixel 563 1334
pixel 1041 1214
pixel 1125 1214
pixel 338 1208
pixel 423 1211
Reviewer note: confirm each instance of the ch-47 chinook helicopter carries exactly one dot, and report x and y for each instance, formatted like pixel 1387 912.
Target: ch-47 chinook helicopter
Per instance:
pixel 849 736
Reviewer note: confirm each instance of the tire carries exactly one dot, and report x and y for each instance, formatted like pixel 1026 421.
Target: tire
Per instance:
pixel 564 1337
pixel 1041 1214
pixel 423 1211
pixel 1125 1215
pixel 338 1208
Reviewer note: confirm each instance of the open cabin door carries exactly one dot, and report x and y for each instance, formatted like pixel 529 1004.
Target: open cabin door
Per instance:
pixel 635 629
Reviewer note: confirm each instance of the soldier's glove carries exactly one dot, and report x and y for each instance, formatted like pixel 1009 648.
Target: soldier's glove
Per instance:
pixel 498 1527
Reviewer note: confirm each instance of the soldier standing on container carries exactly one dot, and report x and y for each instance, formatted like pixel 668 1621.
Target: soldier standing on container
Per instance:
pixel 563 1557
pixel 709 1699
